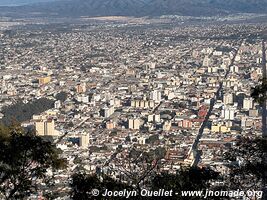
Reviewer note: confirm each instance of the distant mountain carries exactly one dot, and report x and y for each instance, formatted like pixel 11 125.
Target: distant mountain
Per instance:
pixel 143 7
pixel 20 2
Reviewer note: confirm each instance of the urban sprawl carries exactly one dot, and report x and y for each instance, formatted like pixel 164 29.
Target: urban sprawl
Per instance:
pixel 180 90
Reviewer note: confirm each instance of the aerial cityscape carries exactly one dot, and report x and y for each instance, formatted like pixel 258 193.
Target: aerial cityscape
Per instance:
pixel 135 97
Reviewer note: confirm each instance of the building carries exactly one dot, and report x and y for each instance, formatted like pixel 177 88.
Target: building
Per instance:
pixel 219 128
pixel 57 104
pixel 44 80
pixel 206 62
pixel 81 88
pixel 107 111
pixel 153 118
pixel 253 113
pixel 212 69
pixel 83 98
pixel 167 125
pixel 184 123
pixel 226 61
pixel 195 53
pixel 110 125
pixel 115 102
pixel 228 98
pixel 84 141
pixel 247 103
pixel 234 69
pixel 134 124
pixel 139 103
pixel 130 71
pixel 228 113
pixel 150 118
pixel 45 127
pixel 156 96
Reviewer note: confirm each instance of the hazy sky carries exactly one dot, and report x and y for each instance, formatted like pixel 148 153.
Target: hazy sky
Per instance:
pixel 20 2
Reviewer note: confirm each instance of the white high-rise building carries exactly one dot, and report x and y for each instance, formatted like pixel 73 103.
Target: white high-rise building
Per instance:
pixel 154 118
pixel 150 118
pixel 243 121
pixel 212 69
pixel 234 69
pixel 157 118
pixel 247 103
pixel 156 96
pixel 107 111
pixel 57 104
pixel 228 113
pixel 206 62
pixel 45 127
pixel 84 141
pixel 228 98
pixel 134 123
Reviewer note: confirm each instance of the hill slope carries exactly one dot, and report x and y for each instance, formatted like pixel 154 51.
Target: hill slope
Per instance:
pixel 144 7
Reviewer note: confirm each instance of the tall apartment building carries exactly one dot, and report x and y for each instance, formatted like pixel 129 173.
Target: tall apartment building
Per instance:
pixel 45 127
pixel 156 96
pixel 228 98
pixel 247 103
pixel 107 111
pixel 228 113
pixel 84 141
pixel 206 62
pixel 153 118
pixel 134 123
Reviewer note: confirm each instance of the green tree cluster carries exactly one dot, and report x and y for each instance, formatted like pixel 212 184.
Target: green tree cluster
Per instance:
pixel 24 111
pixel 185 179
pixel 24 160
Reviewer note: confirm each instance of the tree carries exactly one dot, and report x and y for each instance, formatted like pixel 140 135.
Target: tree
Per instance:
pixel 247 166
pixel 24 111
pixel 24 160
pixel 83 184
pixel 259 94
pixel 62 96
pixel 152 139
pixel 4 132
pixel 185 179
pixel 137 167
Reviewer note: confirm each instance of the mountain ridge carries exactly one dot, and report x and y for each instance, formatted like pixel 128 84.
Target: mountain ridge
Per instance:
pixel 21 2
pixel 141 8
